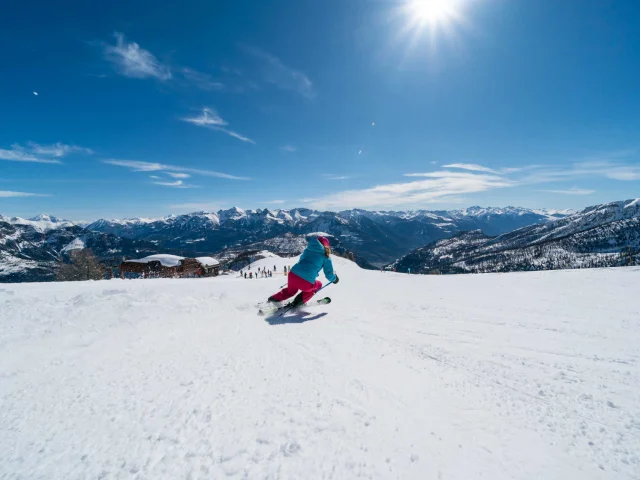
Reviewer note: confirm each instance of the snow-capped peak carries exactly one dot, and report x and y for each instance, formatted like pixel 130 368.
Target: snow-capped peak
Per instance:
pixel 233 213
pixel 42 222
pixel 44 217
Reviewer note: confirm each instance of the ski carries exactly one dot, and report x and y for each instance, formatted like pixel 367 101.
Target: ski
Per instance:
pixel 288 307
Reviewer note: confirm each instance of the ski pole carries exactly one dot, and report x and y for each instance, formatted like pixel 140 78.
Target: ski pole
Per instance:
pixel 289 307
pixel 325 286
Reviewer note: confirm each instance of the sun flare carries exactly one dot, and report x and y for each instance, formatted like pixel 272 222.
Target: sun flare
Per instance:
pixel 431 19
pixel 432 11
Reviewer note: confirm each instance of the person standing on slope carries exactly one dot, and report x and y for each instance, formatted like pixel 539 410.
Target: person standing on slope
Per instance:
pixel 303 275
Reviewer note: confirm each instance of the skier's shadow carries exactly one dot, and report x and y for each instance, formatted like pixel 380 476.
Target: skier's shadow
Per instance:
pixel 297 317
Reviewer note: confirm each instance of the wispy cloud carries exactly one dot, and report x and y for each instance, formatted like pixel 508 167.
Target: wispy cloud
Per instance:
pixel 474 167
pixel 138 166
pixel 624 173
pixel 57 149
pixel 604 169
pixel 176 184
pixel 178 175
pixel 465 166
pixel 9 193
pixel 130 60
pixel 571 191
pixel 438 186
pixel 209 118
pixel 466 178
pixel 237 135
pixel 275 202
pixel 155 177
pixel 281 75
pixel 331 176
pixel 201 80
pixel 36 153
pixel 17 154
pixel 289 148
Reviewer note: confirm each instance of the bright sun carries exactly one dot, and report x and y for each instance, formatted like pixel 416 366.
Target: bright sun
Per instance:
pixel 432 11
pixel 430 18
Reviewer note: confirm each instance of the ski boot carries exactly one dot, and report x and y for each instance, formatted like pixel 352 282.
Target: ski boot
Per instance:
pixel 297 302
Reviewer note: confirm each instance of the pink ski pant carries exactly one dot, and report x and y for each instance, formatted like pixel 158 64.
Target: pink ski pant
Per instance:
pixel 296 283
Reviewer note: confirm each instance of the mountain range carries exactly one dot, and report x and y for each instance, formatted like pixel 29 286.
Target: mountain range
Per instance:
pixel 600 236
pixel 30 248
pixel 379 237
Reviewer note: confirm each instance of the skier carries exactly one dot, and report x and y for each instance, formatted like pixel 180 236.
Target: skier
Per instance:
pixel 303 275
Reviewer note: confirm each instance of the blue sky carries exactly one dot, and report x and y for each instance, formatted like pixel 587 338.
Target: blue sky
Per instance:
pixel 132 109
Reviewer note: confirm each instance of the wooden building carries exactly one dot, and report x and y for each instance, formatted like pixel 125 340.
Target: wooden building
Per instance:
pixel 210 267
pixel 169 266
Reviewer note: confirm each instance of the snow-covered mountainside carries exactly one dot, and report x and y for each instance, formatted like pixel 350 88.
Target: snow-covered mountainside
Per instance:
pixel 377 237
pixel 30 253
pixel 598 236
pixel 511 376
pixel 41 223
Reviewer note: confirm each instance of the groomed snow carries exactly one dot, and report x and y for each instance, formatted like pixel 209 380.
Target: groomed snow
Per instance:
pixel 499 376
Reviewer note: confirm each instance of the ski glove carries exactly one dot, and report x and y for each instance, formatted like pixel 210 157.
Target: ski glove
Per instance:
pixel 336 280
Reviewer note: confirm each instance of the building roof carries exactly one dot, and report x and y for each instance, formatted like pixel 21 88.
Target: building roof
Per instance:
pixel 208 261
pixel 165 259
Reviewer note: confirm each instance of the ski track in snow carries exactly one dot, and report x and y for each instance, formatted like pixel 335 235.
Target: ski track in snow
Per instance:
pixel 500 376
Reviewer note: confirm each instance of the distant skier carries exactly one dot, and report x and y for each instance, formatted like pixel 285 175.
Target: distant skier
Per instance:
pixel 303 275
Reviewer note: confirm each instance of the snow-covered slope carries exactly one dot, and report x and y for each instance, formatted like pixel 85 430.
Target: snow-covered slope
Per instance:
pixel 599 236
pixel 505 376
